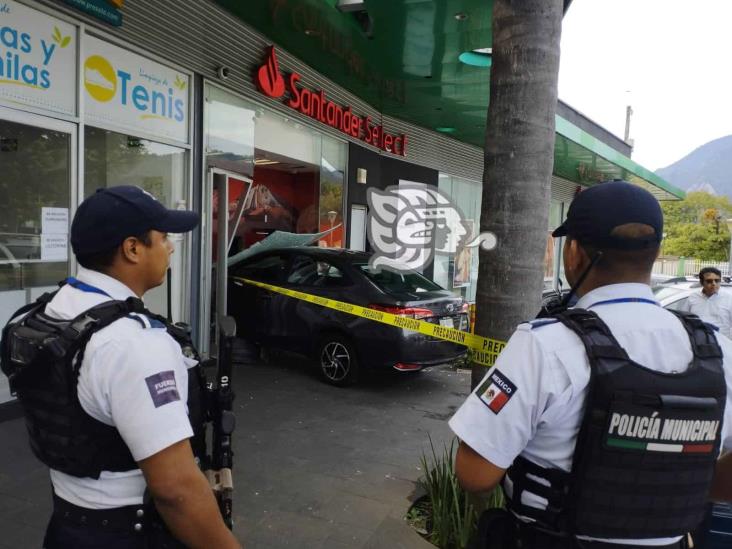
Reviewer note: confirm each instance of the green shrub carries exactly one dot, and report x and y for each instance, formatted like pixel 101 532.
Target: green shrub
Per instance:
pixel 454 517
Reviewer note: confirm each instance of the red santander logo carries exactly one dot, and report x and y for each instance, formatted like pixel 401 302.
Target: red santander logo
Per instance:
pixel 318 106
pixel 269 80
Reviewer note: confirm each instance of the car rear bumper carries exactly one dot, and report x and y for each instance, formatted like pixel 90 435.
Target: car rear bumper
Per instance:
pixel 385 346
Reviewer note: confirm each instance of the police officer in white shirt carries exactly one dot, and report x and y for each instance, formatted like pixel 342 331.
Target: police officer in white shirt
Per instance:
pixel 710 304
pixel 604 423
pixel 132 388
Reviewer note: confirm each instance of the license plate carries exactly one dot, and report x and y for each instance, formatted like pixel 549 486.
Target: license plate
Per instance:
pixel 446 322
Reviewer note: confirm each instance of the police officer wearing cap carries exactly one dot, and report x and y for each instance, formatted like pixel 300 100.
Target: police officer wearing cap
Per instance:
pixel 132 389
pixel 602 423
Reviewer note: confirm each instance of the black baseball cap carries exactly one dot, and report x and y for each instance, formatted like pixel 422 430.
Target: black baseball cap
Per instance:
pixel 596 211
pixel 112 214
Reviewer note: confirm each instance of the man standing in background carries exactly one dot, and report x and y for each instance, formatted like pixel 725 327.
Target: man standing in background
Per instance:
pixel 710 304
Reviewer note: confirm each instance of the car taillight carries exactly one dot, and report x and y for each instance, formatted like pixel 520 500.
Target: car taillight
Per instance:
pixel 411 312
pixel 402 367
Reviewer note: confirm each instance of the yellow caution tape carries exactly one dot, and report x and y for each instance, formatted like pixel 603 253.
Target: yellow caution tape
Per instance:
pixel 482 350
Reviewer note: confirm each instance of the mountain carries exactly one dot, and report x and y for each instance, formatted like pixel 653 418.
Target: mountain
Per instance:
pixel 708 168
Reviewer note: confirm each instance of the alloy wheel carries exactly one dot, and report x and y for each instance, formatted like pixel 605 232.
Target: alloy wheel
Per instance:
pixel 335 361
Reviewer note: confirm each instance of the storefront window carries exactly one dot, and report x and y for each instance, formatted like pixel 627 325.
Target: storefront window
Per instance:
pixel 34 215
pixel 35 186
pixel 332 179
pixel 116 159
pixel 553 251
pixel 459 272
pixel 297 174
pixel 229 137
pixel 557 215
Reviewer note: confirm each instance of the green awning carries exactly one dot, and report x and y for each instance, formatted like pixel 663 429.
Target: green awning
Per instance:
pixel 582 158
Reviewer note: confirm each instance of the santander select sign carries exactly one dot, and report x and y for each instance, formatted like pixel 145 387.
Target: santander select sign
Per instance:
pixel 271 83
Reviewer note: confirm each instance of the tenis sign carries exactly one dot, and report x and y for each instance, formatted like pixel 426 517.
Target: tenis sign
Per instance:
pixel 272 83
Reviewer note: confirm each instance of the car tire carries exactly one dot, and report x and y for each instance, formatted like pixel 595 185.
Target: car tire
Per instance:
pixel 337 361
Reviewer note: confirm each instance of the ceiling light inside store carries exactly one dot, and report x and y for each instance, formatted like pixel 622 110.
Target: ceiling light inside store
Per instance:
pixel 264 162
pixel 460 16
pixel 311 32
pixel 446 129
pixel 481 57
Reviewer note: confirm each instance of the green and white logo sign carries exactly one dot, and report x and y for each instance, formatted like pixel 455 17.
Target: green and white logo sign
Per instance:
pixel 37 59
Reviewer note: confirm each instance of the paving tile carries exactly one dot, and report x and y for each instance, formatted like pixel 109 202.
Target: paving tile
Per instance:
pixel 396 534
pixel 354 510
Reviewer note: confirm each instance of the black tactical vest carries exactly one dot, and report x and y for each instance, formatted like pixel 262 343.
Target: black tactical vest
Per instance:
pixel 647 445
pixel 42 356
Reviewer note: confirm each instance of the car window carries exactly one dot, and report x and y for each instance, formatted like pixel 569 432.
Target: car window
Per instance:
pixel 308 271
pixel 678 305
pixel 392 281
pixel 266 269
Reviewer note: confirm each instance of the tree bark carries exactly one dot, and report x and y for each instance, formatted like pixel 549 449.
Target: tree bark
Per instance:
pixel 519 156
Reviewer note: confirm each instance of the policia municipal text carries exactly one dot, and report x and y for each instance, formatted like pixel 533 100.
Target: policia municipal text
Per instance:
pixel 111 401
pixel 605 421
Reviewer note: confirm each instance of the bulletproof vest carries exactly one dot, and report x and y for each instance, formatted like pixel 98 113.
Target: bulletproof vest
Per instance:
pixel 42 356
pixel 647 445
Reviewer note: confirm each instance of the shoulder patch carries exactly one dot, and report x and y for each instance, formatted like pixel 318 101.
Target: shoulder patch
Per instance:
pixel 163 388
pixel 496 391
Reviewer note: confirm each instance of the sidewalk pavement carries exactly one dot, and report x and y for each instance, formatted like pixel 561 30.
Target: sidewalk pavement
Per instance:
pixel 315 466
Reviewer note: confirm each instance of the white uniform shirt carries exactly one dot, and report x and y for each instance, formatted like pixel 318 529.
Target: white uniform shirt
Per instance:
pixel 124 381
pixel 715 309
pixel 548 367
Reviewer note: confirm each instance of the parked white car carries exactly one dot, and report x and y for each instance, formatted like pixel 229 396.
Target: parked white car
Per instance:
pixel 675 296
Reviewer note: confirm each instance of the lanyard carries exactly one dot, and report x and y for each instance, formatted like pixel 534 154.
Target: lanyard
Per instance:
pixel 625 300
pixel 84 287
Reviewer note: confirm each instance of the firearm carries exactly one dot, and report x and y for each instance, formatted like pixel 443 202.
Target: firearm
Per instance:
pixel 223 422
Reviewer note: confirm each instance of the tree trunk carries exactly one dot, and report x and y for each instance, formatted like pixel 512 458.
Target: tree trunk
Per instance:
pixel 519 156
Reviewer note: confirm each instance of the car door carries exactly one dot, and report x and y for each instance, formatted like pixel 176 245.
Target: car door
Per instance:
pixel 316 276
pixel 258 312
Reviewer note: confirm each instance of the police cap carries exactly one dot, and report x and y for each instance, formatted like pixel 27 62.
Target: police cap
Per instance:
pixel 112 214
pixel 595 212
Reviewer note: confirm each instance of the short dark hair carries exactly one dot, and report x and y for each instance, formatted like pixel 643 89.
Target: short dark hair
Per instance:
pixel 101 261
pixel 623 261
pixel 707 270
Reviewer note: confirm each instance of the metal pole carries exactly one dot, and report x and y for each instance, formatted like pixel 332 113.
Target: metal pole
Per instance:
pixel 628 113
pixel 222 246
pixel 729 260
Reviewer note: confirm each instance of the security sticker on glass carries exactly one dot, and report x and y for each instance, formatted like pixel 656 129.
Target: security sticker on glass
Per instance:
pixel 496 391
pixel 162 388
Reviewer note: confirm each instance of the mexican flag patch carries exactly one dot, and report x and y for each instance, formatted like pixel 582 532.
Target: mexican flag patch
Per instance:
pixel 496 391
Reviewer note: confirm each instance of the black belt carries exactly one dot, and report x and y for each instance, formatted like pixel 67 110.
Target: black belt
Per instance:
pixel 132 518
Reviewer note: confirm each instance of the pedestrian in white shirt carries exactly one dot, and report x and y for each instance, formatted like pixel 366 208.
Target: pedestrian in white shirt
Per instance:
pixel 710 304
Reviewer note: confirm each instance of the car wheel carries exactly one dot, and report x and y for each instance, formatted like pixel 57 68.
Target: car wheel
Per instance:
pixel 337 360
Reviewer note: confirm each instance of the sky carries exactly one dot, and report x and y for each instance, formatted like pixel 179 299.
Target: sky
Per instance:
pixel 668 59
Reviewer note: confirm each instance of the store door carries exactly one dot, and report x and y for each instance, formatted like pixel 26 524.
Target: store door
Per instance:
pixel 38 159
pixel 229 193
